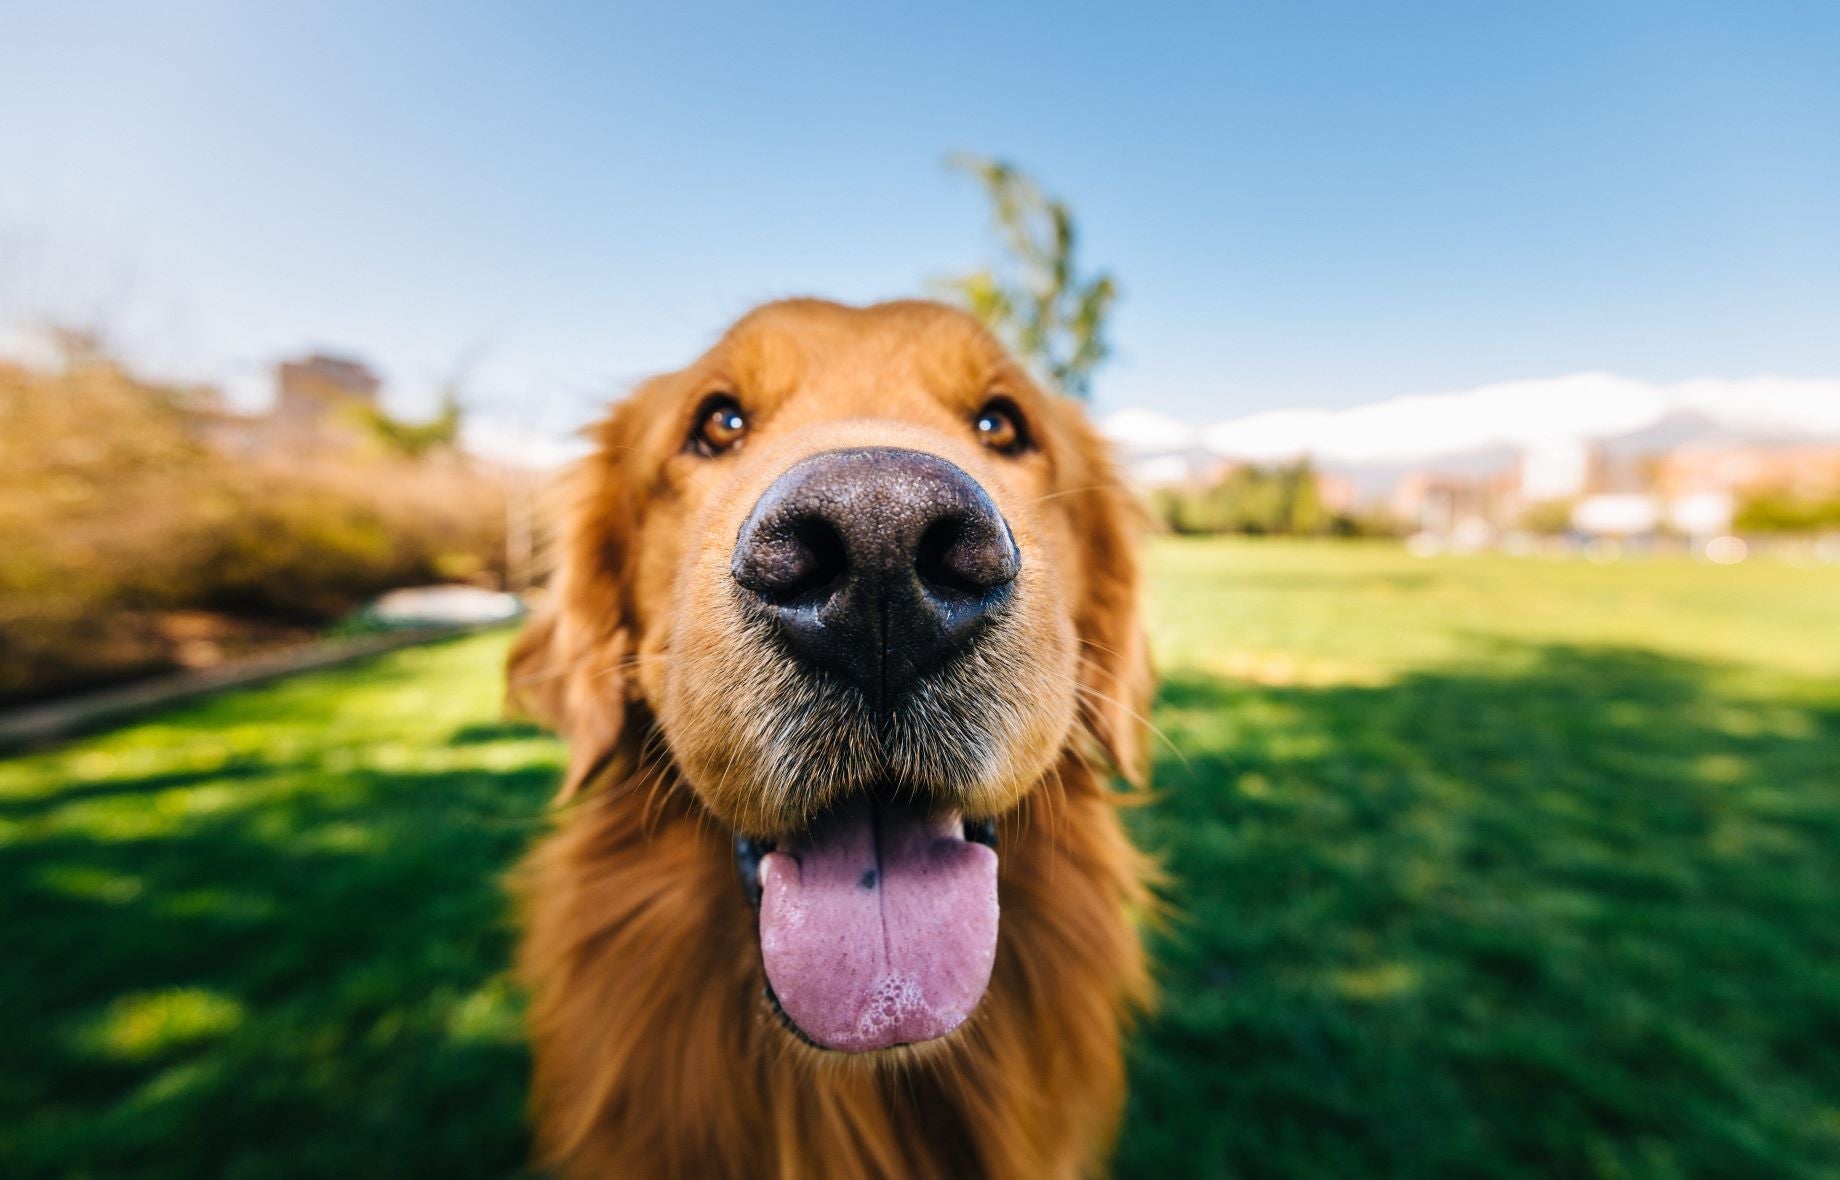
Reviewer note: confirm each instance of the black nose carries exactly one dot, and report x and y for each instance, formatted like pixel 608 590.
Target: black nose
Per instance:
pixel 876 563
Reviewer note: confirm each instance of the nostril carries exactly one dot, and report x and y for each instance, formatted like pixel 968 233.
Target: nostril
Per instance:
pixel 934 557
pixel 826 561
pixel 965 555
pixel 797 561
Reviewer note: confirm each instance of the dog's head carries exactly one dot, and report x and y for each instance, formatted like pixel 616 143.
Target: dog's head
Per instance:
pixel 866 584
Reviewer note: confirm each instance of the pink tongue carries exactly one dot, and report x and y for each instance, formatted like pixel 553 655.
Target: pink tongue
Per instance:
pixel 878 927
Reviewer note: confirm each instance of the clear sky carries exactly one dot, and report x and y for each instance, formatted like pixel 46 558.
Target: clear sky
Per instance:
pixel 1305 204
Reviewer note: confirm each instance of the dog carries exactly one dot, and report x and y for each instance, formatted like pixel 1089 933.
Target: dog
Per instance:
pixel 843 640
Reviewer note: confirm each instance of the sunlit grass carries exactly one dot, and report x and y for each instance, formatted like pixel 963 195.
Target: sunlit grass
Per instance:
pixel 1493 867
pixel 265 934
pixel 139 1026
pixel 1481 867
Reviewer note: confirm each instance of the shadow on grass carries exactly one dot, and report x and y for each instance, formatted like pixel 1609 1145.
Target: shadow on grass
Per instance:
pixel 1570 912
pixel 243 768
pixel 303 979
pixel 494 731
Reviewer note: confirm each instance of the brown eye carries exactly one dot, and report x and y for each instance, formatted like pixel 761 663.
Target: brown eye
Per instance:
pixel 720 425
pixel 1000 427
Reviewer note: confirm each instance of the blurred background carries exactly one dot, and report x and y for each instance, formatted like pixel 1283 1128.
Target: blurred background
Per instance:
pixel 1479 367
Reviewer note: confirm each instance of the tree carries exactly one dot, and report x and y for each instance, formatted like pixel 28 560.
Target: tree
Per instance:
pixel 1283 500
pixel 1774 510
pixel 412 440
pixel 1036 299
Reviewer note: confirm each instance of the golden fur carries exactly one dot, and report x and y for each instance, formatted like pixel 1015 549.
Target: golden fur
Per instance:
pixel 655 1052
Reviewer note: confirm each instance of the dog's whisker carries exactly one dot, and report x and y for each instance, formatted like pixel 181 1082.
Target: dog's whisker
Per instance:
pixel 1109 489
pixel 1094 643
pixel 655 751
pixel 1089 691
pixel 1053 810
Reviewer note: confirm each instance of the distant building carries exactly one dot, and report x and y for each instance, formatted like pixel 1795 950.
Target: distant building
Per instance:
pixel 317 398
pixel 1617 514
pixel 1556 470
pixel 1702 514
pixel 1337 493
pixel 1444 505
pixel 317 403
pixel 1802 470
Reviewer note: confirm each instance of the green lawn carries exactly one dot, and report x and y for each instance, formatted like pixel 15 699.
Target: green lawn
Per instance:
pixel 1483 866
pixel 264 936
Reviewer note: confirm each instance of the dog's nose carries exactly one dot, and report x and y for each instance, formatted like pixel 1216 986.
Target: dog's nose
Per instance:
pixel 877 563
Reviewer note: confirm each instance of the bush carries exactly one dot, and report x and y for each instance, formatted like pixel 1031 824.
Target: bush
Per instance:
pixel 1548 518
pixel 1786 512
pixel 1284 500
pixel 116 508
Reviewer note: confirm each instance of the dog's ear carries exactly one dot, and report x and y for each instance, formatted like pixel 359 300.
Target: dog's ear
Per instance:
pixel 1115 673
pixel 568 668
pixel 573 683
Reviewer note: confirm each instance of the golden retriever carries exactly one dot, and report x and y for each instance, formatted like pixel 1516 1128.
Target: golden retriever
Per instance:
pixel 843 640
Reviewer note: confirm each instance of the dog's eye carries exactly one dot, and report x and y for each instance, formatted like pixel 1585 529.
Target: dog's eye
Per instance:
pixel 720 425
pixel 1000 427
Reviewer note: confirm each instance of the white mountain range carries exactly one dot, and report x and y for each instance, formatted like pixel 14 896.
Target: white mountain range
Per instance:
pixel 1514 415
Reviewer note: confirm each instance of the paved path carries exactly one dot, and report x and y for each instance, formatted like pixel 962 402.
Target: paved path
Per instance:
pixel 38 725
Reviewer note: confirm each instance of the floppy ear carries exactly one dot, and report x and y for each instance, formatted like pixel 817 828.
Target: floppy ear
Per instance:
pixel 1115 672
pixel 568 667
pixel 574 684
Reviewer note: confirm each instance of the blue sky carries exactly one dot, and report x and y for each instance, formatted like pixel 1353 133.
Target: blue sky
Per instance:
pixel 1306 205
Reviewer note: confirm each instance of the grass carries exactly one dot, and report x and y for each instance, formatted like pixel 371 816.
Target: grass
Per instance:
pixel 264 936
pixel 1483 867
pixel 1494 867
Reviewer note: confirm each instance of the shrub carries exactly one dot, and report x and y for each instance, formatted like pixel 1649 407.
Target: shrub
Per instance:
pixel 1786 512
pixel 1283 500
pixel 117 507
